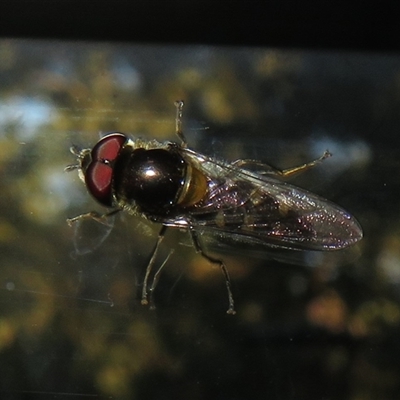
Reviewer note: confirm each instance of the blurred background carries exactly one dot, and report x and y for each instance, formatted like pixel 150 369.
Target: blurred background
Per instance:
pixel 71 323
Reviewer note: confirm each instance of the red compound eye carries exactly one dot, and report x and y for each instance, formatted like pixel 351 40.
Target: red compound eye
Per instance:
pixel 99 173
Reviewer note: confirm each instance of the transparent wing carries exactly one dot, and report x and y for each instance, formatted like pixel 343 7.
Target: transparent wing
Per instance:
pixel 240 245
pixel 248 207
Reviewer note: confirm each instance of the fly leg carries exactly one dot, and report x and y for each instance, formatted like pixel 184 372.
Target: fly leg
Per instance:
pixel 101 218
pixel 265 169
pixel 149 267
pixel 196 243
pixel 155 280
pixel 301 168
pixel 178 122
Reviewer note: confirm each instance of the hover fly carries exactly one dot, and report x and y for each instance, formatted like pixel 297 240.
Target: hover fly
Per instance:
pixel 177 187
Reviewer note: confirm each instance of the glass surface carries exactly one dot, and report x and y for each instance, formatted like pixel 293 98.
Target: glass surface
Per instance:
pixel 71 322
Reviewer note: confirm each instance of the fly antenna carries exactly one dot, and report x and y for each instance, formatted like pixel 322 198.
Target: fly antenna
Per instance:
pixel 71 167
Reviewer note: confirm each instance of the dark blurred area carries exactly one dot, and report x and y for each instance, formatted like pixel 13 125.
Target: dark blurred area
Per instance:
pixel 71 323
pixel 308 24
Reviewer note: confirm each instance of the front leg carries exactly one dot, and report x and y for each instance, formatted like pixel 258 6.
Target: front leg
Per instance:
pixel 101 218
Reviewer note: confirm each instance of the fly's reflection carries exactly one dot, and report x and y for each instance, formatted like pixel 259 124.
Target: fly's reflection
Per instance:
pixel 245 201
